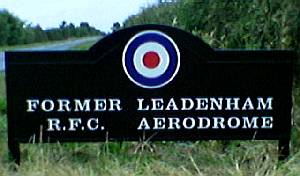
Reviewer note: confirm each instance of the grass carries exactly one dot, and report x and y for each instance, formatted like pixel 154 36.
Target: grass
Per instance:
pixel 155 158
pixel 84 46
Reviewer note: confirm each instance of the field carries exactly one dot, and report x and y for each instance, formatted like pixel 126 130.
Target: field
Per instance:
pixel 151 158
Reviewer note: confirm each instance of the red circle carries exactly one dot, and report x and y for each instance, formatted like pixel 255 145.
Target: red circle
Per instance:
pixel 151 59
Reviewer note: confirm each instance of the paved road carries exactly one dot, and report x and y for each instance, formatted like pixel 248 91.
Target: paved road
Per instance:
pixel 2 63
pixel 51 47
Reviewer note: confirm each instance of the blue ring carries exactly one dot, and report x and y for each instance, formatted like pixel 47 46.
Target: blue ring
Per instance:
pixel 171 69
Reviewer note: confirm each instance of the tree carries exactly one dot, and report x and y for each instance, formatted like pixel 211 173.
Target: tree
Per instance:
pixel 63 25
pixel 4 28
pixel 29 34
pixel 84 25
pixel 15 30
pixel 116 26
pixel 40 34
pixel 11 29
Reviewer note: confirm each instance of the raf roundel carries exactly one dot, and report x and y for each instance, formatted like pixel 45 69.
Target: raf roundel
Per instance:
pixel 151 59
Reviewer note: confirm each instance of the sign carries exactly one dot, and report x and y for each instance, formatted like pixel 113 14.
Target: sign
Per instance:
pixel 149 81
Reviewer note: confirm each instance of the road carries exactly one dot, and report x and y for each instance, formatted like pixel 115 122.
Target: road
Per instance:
pixel 50 47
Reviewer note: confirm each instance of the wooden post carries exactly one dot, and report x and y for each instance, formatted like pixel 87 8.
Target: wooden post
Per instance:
pixel 283 149
pixel 14 148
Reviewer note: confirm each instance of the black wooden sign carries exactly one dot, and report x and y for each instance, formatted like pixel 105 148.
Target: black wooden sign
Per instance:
pixel 149 81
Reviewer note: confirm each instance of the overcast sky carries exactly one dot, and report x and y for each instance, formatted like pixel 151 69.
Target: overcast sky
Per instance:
pixel 50 13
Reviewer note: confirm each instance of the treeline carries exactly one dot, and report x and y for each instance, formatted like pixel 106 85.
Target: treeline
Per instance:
pixel 14 31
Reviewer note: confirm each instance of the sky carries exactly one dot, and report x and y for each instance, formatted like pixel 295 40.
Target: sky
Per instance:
pixel 98 13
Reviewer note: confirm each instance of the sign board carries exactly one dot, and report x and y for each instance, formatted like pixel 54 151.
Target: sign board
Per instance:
pixel 149 81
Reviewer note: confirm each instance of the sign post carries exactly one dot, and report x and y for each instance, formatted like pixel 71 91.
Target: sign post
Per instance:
pixel 149 81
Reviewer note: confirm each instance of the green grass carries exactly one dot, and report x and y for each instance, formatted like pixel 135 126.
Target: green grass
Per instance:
pixel 155 158
pixel 84 46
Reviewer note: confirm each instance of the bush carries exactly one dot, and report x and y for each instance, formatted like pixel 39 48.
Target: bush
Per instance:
pixel 230 24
